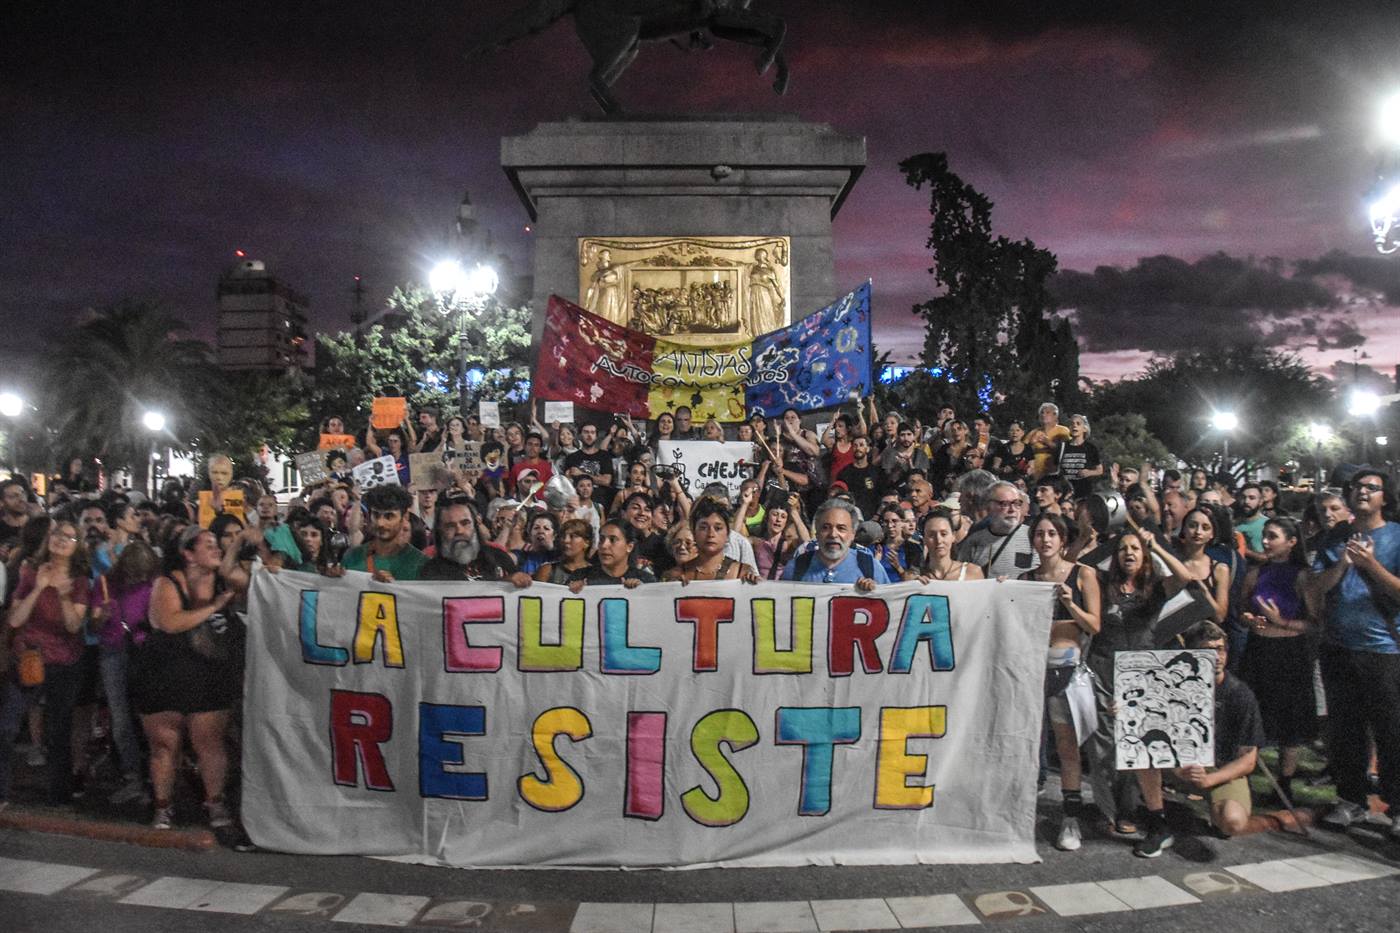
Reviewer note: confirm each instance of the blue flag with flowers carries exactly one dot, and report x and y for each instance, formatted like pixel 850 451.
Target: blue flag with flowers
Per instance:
pixel 822 361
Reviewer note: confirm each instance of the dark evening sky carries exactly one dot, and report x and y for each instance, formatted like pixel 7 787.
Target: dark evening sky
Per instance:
pixel 141 143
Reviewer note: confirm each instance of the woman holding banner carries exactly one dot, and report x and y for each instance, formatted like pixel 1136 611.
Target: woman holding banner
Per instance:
pixel 617 541
pixel 1075 620
pixel 940 536
pixel 575 540
pixel 709 523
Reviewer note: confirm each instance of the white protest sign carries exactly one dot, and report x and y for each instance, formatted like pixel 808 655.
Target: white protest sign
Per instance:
pixel 489 413
pixel 562 412
pixel 1166 709
pixel 714 724
pixel 701 463
pixel 380 471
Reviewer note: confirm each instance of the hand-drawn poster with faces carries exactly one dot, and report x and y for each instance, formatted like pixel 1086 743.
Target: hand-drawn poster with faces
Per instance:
pixel 1166 709
pixel 378 472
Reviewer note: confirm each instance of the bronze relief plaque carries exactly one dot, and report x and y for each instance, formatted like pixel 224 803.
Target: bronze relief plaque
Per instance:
pixel 703 291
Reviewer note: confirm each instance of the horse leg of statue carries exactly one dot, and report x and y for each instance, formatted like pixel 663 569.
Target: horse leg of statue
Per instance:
pixel 612 42
pixel 752 28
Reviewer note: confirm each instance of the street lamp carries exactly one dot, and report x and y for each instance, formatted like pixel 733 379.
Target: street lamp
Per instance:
pixel 1363 403
pixel 1225 422
pixel 154 422
pixel 1320 434
pixel 462 290
pixel 11 405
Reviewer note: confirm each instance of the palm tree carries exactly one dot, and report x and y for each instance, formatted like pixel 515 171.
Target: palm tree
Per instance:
pixel 114 365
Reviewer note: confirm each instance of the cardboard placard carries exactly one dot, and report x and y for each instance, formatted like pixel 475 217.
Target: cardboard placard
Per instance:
pixel 467 462
pixel 388 413
pixel 312 467
pixel 562 412
pixel 233 505
pixel 489 413
pixel 381 471
pixel 428 470
pixel 332 441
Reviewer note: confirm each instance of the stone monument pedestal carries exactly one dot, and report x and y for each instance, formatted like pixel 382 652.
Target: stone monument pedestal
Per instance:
pixel 752 176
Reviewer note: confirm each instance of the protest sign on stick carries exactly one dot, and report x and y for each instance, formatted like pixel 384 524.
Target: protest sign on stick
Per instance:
pixel 388 413
pixel 701 463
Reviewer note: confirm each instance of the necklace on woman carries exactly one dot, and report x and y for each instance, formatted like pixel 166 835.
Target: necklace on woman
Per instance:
pixel 712 574
pixel 942 574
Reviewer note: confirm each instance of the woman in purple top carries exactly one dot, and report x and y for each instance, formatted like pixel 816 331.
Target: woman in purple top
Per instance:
pixel 1278 662
pixel 125 593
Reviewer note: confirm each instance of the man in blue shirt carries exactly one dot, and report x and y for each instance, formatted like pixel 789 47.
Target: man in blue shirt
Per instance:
pixel 833 559
pixel 1358 574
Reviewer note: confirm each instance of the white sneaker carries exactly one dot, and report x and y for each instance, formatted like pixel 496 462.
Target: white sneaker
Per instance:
pixel 165 818
pixel 1069 840
pixel 1345 814
pixel 35 757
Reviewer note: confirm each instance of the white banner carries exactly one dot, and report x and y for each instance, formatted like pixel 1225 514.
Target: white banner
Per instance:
pixel 704 462
pixel 715 724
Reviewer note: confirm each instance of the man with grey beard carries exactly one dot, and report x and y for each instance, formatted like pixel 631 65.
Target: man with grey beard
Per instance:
pixel 462 555
pixel 831 558
pixel 1001 547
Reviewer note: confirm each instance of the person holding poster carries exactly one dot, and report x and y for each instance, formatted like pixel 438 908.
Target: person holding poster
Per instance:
pixel 1239 731
pixel 1076 619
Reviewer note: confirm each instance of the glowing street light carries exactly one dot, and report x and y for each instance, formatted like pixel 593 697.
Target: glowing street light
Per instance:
pixel 1224 421
pixel 11 405
pixel 461 290
pixel 1382 440
pixel 154 421
pixel 447 277
pixel 1320 433
pixel 1388 119
pixel 1363 403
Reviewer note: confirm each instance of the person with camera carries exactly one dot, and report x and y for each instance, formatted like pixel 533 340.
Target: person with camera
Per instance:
pixel 897 552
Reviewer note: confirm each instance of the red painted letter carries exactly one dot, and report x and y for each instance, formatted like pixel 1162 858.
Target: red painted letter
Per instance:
pixel 706 612
pixel 360 723
pixel 855 620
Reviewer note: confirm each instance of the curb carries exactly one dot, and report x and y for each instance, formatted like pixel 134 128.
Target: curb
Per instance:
pixel 40 821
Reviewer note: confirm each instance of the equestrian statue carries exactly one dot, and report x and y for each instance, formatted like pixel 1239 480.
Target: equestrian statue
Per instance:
pixel 613 30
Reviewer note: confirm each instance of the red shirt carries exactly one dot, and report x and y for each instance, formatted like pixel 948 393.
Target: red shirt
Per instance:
pixel 540 466
pixel 45 630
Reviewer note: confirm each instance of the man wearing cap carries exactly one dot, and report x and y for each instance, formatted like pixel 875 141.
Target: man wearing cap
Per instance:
pixel 831 557
pixel 532 461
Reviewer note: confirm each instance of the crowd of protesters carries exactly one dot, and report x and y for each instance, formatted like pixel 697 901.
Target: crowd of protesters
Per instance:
pixel 134 602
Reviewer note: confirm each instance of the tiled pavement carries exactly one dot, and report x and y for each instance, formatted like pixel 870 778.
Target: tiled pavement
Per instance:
pixel 1180 889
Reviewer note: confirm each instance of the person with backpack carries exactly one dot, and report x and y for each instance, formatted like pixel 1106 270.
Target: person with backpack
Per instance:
pixel 832 558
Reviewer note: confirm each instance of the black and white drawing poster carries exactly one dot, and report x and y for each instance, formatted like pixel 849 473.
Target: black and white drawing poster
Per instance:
pixel 1166 709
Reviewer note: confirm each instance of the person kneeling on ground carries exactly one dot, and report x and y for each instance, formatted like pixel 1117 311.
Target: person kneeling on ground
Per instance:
pixel 1239 731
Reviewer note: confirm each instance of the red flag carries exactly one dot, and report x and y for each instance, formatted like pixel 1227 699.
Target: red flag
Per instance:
pixel 592 362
